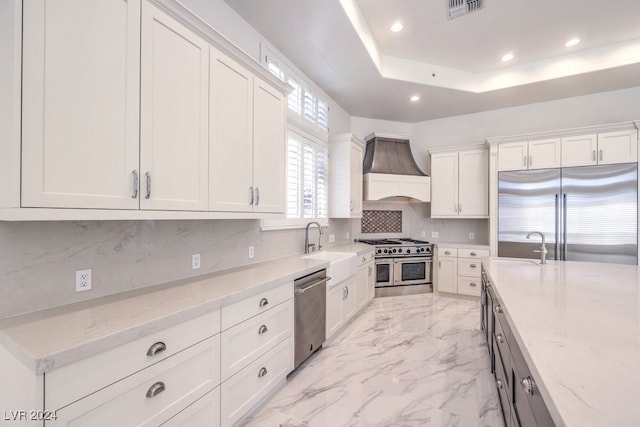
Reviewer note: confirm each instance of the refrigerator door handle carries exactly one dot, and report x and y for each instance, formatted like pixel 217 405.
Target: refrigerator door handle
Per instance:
pixel 564 226
pixel 557 256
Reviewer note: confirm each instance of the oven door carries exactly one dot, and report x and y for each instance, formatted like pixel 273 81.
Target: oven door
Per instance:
pixel 412 271
pixel 384 272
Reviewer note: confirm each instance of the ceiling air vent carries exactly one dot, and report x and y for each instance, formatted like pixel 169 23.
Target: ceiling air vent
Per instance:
pixel 457 8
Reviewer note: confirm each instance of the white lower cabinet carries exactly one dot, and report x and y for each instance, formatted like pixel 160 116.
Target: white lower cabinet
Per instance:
pixel 349 299
pixel 203 412
pixel 244 390
pixel 334 319
pixel 364 274
pixel 459 270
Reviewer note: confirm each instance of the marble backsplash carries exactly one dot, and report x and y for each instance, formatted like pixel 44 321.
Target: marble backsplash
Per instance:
pixel 38 260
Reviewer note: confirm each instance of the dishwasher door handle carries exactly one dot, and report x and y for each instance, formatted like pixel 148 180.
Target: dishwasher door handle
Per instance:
pixel 302 290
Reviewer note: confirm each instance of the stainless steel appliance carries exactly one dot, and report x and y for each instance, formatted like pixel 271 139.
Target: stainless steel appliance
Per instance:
pixel 403 266
pixel 586 213
pixel 310 302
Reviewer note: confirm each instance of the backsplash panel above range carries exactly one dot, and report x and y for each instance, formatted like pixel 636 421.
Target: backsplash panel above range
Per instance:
pixel 381 221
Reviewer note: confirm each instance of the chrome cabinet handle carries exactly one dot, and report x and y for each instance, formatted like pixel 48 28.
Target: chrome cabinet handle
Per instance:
pixel 473 265
pixel 455 208
pixel 473 254
pixel 524 163
pixel 528 385
pixel 594 155
pixel 156 389
pixel 447 252
pixel 136 184
pixel 263 302
pixel 156 348
pixel 530 160
pixel 364 259
pixel 262 372
pixel 351 205
pixel 600 155
pixel 148 175
pixel 262 329
pixel 498 309
pixel 250 195
pixel 257 196
pixel 473 284
pixel 499 384
pixel 460 208
pixel 500 338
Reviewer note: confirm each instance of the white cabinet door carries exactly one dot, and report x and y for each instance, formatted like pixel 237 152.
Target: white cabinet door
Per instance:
pixel 334 319
pixel 355 179
pixel 447 274
pixel 544 153
pixel 349 299
pixel 371 281
pixel 512 156
pixel 80 122
pixel 618 147
pixel 203 412
pixel 174 115
pixel 580 150
pixel 473 186
pixel 444 184
pixel 269 122
pixel 230 135
pixel 362 292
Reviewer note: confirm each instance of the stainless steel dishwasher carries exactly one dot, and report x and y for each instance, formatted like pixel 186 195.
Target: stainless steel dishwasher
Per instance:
pixel 310 304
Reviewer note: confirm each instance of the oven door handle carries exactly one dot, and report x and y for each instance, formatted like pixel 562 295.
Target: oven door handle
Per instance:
pixel 417 259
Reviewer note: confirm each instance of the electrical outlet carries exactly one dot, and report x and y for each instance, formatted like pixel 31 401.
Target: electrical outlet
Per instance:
pixel 435 234
pixel 346 236
pixel 83 280
pixel 423 233
pixel 332 238
pixel 195 261
pixel 252 251
pixel 472 236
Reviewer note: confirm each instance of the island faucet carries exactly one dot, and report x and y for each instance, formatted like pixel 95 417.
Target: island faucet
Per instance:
pixel 543 248
pixel 310 247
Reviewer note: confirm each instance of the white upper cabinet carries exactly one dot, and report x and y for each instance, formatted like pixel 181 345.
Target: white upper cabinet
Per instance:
pixel 600 149
pixel 269 150
pixel 345 176
pixel 174 115
pixel 231 135
pixel 460 183
pixel 535 154
pixel 80 121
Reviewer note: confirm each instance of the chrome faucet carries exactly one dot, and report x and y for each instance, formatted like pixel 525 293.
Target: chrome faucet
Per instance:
pixel 311 247
pixel 543 248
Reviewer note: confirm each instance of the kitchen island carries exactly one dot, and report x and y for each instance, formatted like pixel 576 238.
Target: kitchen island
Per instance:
pixel 578 328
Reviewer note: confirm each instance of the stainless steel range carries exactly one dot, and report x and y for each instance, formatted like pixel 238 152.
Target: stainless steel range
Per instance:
pixel 403 266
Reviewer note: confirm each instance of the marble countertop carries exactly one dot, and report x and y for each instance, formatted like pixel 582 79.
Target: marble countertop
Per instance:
pixel 55 337
pixel 578 326
pixel 462 245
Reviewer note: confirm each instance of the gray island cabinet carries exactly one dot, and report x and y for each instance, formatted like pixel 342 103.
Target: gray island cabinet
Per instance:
pixel 564 341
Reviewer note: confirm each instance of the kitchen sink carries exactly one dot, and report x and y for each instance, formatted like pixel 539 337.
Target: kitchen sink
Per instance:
pixel 342 265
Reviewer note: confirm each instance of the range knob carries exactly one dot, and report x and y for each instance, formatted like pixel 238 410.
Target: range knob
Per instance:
pixel 400 250
pixel 408 251
pixel 385 251
pixel 379 251
pixel 394 251
pixel 420 249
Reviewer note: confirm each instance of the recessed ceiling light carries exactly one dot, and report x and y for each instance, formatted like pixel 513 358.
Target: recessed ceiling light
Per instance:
pixel 397 27
pixel 572 42
pixel 414 98
pixel 508 57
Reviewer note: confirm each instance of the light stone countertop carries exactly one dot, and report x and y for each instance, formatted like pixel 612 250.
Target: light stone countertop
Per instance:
pixel 461 245
pixel 578 326
pixel 51 338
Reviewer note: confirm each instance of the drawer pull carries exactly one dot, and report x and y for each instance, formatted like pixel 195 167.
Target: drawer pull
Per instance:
pixel 156 389
pixel 473 254
pixel 447 252
pixel 263 302
pixel 499 384
pixel 528 385
pixel 156 348
pixel 472 265
pixel 499 338
pixel 263 372
pixel 498 309
pixel 473 284
pixel 262 329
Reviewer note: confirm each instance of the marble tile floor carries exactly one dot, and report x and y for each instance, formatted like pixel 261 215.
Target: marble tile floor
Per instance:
pixel 415 360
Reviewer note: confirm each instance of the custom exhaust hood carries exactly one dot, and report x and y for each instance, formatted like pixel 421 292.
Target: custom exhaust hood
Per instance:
pixel 390 170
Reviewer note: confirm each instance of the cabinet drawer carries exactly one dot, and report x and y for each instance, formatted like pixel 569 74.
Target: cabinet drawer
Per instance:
pixel 362 259
pixel 246 341
pixel 203 412
pixel 469 286
pixel 473 253
pixel 501 346
pixel 469 267
pixel 72 382
pixel 503 388
pixel 244 390
pixel 256 304
pixel 178 381
pixel 447 252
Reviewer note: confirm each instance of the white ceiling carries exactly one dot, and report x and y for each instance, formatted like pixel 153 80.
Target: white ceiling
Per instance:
pixel 346 47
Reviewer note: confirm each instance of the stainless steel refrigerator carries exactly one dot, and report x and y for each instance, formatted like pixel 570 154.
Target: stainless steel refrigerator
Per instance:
pixel 587 213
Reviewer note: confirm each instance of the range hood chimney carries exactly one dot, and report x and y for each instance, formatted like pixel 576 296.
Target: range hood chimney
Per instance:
pixel 391 171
